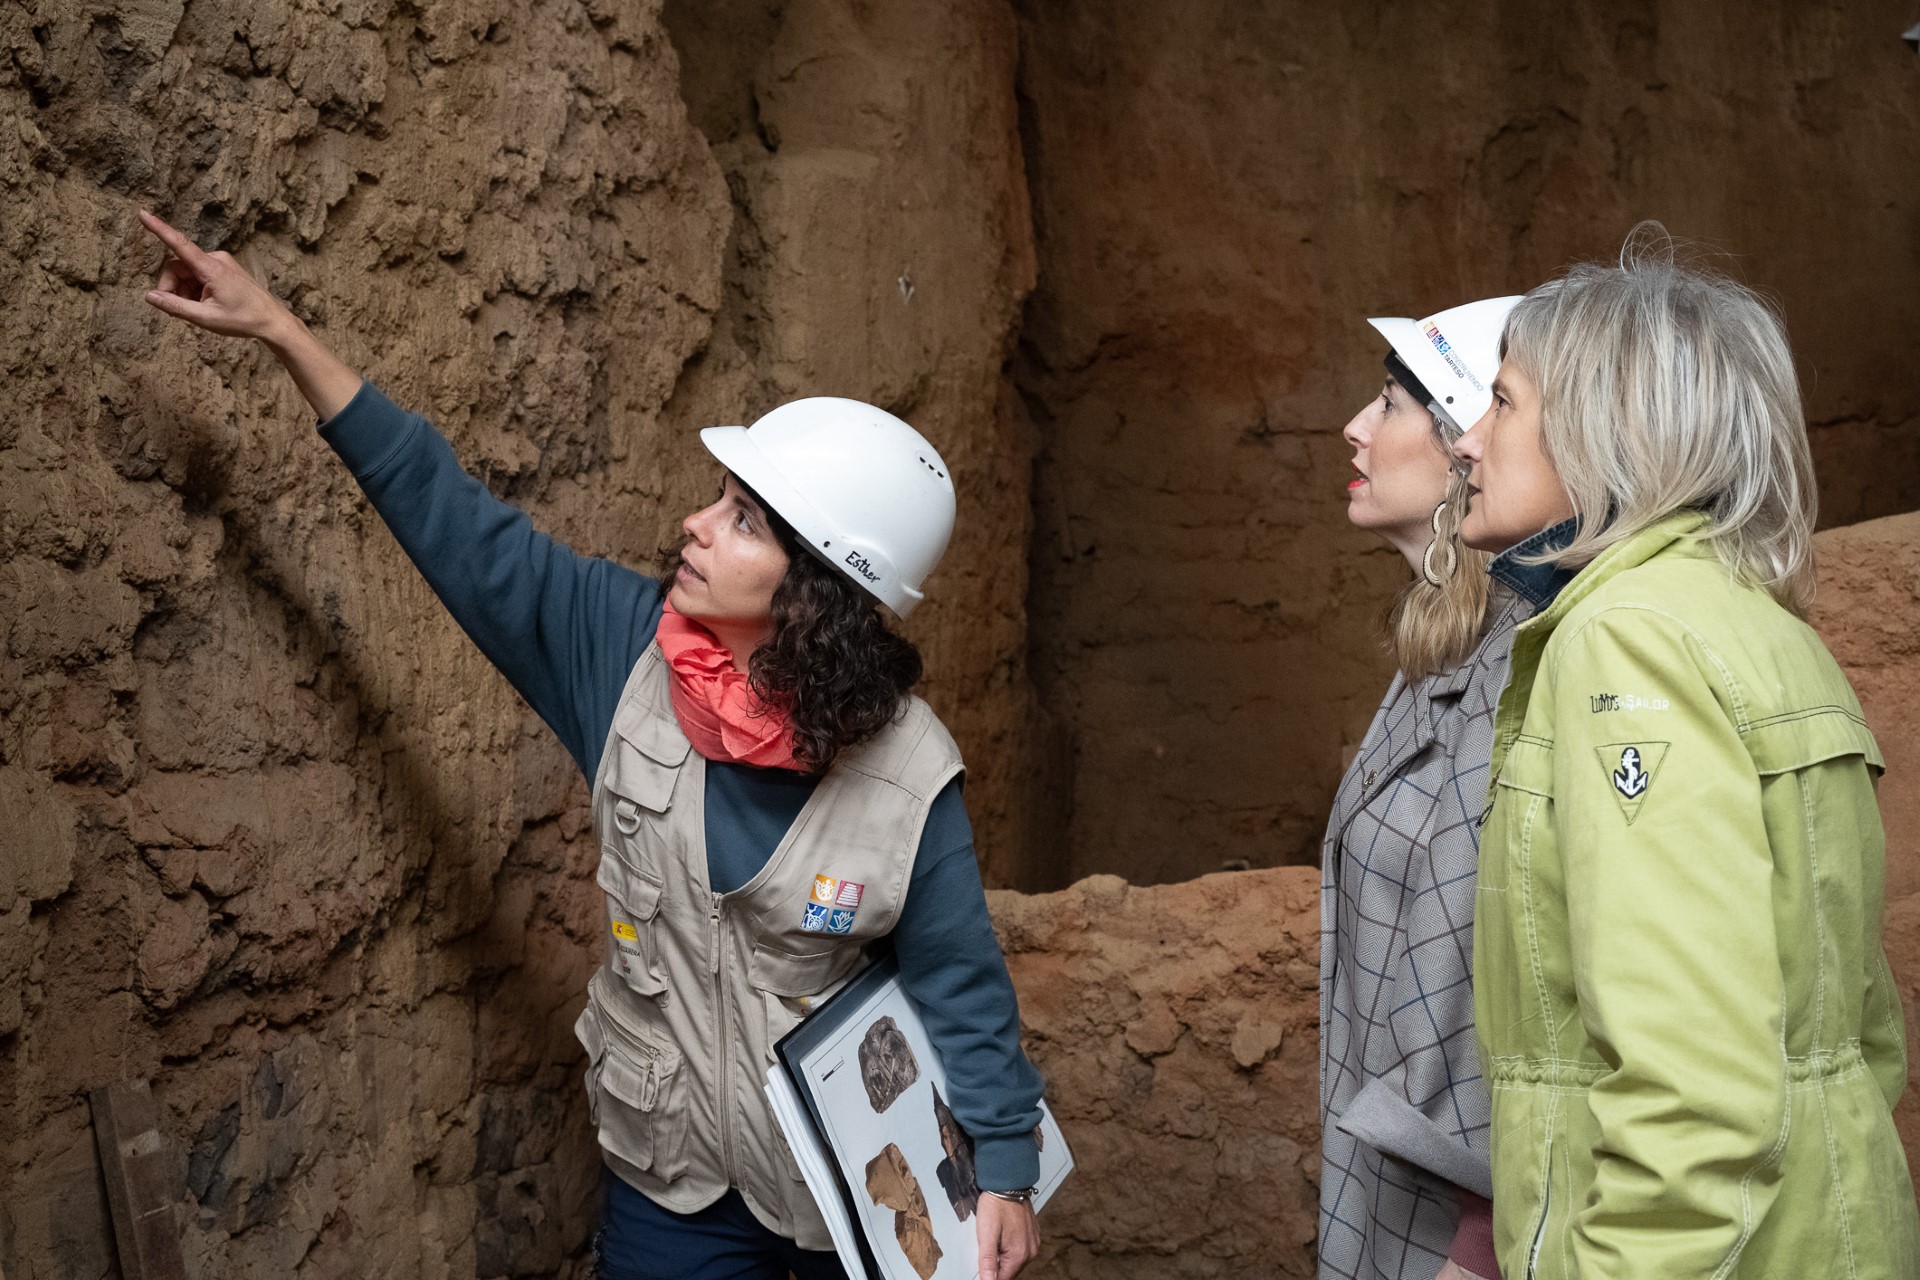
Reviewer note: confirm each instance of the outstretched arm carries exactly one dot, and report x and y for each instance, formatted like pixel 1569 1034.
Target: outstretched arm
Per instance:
pixel 565 629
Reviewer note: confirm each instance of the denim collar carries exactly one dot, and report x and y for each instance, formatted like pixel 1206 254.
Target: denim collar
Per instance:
pixel 1537 584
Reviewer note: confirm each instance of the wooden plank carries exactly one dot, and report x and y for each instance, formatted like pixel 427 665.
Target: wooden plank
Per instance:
pixel 126 1129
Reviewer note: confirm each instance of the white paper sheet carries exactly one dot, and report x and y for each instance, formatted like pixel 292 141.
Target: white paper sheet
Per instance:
pixel 816 1167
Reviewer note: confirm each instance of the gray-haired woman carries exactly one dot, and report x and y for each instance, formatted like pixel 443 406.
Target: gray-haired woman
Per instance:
pixel 1694 1040
pixel 1404 1173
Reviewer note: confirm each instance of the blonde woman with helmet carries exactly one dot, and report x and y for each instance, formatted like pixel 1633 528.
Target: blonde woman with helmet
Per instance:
pixel 1404 1173
pixel 1692 1035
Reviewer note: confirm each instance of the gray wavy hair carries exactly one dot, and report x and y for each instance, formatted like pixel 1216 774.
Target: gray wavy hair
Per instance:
pixel 1666 388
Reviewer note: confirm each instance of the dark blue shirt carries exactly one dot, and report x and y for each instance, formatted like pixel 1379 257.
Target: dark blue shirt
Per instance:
pixel 566 630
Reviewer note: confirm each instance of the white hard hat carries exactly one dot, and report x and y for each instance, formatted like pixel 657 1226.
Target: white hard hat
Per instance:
pixel 1455 353
pixel 861 488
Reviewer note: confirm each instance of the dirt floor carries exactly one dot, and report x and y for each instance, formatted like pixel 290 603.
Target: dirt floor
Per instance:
pixel 281 842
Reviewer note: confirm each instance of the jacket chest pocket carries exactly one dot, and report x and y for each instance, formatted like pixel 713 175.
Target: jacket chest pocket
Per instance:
pixel 791 985
pixel 633 909
pixel 1518 816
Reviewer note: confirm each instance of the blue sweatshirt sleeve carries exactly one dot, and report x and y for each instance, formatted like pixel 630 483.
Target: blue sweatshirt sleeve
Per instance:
pixel 950 964
pixel 564 629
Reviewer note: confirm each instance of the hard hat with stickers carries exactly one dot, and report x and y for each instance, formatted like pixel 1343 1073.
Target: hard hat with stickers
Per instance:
pixel 1453 355
pixel 864 491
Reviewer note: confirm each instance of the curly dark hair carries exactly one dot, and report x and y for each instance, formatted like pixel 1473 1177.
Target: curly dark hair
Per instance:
pixel 833 666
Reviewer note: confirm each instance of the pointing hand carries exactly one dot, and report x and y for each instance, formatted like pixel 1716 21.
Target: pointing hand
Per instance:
pixel 212 290
pixel 215 293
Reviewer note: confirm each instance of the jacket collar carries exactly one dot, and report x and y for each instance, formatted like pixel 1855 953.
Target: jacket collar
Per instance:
pixel 1408 723
pixel 1505 610
pixel 1616 559
pixel 1537 584
pixel 1530 640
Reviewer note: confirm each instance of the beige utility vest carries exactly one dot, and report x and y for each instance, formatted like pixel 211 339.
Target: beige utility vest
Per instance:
pixel 681 1021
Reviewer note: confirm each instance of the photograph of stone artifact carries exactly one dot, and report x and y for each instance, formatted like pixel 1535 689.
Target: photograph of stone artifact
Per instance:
pixel 887 1065
pixel 956 1171
pixel 891 1183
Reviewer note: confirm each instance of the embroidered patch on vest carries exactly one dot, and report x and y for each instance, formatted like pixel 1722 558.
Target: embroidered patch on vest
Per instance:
pixel 1630 767
pixel 626 943
pixel 831 905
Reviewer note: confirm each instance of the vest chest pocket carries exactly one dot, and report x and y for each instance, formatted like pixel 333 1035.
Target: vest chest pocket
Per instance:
pixel 634 1094
pixel 639 783
pixel 633 903
pixel 643 769
pixel 793 985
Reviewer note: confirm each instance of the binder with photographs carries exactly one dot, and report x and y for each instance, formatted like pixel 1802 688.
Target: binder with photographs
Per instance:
pixel 862 1098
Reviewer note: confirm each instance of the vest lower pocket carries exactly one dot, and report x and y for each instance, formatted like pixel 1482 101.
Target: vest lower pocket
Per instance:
pixel 791 986
pixel 634 1095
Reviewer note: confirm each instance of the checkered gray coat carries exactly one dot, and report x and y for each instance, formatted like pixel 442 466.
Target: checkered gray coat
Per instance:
pixel 1403 1106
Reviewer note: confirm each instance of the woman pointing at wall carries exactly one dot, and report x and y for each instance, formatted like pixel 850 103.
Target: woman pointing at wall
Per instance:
pixel 770 798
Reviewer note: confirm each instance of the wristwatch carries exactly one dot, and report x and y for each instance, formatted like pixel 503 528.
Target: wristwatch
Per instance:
pixel 1022 1196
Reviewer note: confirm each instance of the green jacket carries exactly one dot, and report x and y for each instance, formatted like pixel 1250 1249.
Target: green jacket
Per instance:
pixel 1685 1014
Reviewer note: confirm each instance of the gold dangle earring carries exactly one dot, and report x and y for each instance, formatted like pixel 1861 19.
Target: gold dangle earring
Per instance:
pixel 1452 558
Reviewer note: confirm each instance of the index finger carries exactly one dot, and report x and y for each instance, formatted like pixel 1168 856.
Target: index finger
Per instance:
pixel 184 249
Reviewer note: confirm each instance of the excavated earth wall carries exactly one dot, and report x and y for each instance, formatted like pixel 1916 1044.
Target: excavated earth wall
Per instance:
pixel 1224 191
pixel 278 839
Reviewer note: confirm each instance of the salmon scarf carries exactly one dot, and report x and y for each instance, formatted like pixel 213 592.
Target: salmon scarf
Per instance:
pixel 718 711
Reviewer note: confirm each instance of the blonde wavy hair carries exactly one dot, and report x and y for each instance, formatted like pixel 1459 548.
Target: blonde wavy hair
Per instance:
pixel 1667 388
pixel 1431 628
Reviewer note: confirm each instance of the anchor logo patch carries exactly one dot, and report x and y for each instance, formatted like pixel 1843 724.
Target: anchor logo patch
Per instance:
pixel 1630 780
pixel 1630 768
